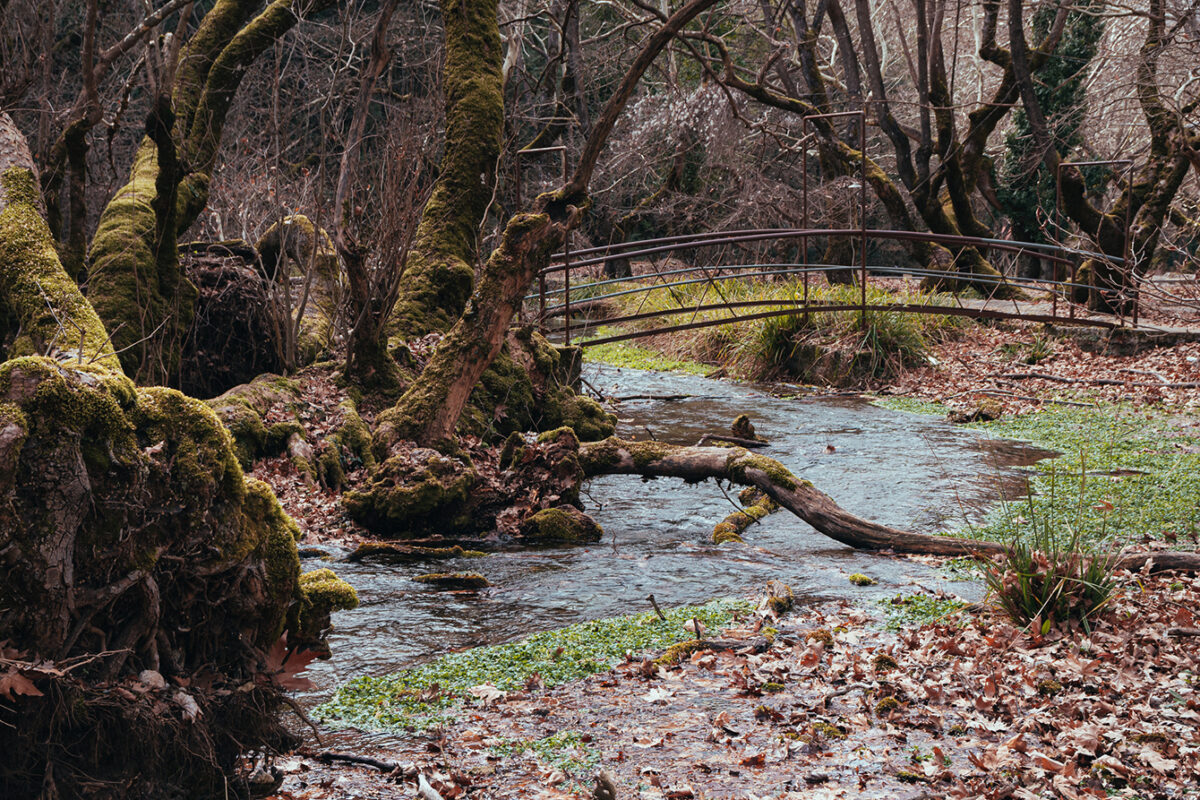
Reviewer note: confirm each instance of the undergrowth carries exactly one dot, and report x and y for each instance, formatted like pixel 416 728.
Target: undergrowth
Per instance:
pixel 422 696
pixel 787 345
pixel 1130 473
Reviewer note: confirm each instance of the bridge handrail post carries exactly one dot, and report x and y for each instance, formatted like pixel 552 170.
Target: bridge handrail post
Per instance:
pixel 862 214
pixel 567 288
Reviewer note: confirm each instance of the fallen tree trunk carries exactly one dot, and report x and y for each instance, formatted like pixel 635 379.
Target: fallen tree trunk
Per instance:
pixel 694 464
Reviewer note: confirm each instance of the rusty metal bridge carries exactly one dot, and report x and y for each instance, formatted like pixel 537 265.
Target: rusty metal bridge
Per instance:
pixel 671 263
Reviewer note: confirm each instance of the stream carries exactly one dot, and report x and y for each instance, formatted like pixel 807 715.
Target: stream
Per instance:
pixel 905 470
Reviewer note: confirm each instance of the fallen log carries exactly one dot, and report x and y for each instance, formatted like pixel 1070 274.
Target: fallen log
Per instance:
pixel 614 456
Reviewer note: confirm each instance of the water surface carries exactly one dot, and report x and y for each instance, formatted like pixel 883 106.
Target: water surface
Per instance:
pixel 908 471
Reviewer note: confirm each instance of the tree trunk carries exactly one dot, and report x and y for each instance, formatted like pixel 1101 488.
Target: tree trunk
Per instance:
pixel 134 279
pixel 693 464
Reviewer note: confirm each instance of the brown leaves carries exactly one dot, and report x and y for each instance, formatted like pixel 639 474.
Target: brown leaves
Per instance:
pixel 13 683
pixel 283 663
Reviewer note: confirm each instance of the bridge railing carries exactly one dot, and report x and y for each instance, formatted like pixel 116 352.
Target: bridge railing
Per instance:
pixel 556 302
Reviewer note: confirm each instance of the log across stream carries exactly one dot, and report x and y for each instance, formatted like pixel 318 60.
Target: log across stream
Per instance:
pixel 907 471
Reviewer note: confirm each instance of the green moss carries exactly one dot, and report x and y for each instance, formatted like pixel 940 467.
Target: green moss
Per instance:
pixel 886 705
pixel 677 653
pixel 882 662
pixel 740 462
pixel 276 437
pixel 392 551
pixel 583 415
pixel 353 438
pixel 454 580
pixel 439 272
pixel 53 315
pixel 557 656
pixel 646 453
pixel 828 731
pixel 322 592
pixel 417 493
pixel 821 635
pixel 598 458
pixel 564 524
pixel 198 445
pixel 724 533
pixel 135 282
pixel 858 579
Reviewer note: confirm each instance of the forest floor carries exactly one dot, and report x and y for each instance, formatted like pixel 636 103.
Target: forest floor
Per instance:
pixel 965 706
pixel 977 708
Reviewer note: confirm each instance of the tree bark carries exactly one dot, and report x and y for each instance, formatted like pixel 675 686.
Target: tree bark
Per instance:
pixel 429 410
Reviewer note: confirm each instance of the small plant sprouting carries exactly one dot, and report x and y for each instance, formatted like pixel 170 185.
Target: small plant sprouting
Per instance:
pixel 1050 574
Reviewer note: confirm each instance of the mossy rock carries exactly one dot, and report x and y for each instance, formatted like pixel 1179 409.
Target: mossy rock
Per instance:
pixel 395 551
pixel 561 525
pixel 322 592
pixel 454 580
pixel 417 491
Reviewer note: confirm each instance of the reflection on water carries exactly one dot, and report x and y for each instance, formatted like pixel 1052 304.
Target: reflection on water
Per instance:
pixel 904 470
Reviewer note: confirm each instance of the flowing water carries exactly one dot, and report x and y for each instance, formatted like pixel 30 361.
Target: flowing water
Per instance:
pixel 913 472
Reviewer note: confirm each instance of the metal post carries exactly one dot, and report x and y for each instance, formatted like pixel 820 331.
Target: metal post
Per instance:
pixel 862 215
pixel 804 211
pixel 567 288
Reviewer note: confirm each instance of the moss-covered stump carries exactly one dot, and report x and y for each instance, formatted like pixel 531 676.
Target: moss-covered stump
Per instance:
pixel 453 580
pixel 743 428
pixel 415 492
pixel 404 553
pixel 526 388
pixel 131 537
pixel 561 525
pixel 322 593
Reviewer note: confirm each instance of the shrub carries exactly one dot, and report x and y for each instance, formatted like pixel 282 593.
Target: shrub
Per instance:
pixel 1051 575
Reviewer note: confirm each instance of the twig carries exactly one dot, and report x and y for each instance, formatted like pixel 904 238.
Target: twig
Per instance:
pixel 657 610
pixel 330 756
pixel 625 397
pixel 1020 376
pixel 1183 632
pixel 304 716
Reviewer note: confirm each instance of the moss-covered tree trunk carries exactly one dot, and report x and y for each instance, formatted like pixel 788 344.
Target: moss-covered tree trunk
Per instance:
pixel 430 409
pixel 439 273
pixel 131 541
pixel 134 278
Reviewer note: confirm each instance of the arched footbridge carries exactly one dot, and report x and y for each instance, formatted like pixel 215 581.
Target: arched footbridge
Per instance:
pixel 681 268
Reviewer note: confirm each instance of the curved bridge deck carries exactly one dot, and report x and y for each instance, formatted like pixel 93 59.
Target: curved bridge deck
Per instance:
pixel 670 264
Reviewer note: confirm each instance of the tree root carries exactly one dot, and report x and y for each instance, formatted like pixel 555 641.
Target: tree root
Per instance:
pixel 694 464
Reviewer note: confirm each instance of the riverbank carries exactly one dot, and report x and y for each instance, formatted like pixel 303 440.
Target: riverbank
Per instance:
pixel 532 741
pixel 836 706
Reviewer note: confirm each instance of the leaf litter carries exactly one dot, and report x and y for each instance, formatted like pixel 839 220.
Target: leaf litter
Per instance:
pixel 839 707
